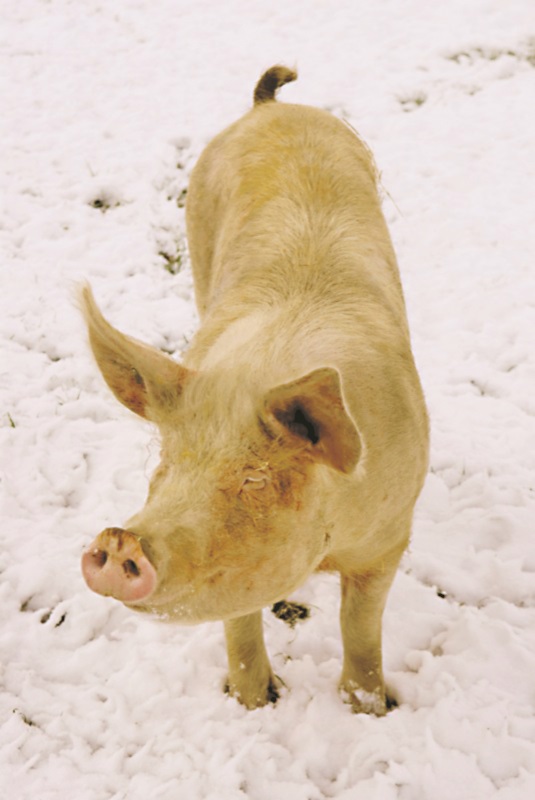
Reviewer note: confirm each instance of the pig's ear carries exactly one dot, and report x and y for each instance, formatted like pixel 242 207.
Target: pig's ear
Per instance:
pixel 311 410
pixel 141 377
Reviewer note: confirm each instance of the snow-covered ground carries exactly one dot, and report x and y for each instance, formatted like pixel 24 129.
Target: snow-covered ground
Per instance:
pixel 105 106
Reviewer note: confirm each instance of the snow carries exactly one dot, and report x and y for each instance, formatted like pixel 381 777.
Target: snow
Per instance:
pixel 105 108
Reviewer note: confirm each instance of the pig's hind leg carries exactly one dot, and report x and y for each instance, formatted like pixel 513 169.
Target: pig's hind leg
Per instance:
pixel 250 678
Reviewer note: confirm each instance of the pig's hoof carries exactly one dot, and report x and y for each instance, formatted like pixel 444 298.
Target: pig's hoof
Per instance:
pixel 365 702
pixel 252 698
pixel 290 613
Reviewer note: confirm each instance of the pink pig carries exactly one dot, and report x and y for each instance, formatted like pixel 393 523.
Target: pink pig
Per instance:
pixel 294 436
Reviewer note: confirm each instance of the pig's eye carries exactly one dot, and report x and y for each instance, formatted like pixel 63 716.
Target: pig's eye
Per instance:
pixel 255 482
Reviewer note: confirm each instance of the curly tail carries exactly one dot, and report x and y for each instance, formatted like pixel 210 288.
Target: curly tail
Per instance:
pixel 271 80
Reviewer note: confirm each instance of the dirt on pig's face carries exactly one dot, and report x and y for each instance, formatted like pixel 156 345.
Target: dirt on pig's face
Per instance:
pixel 228 523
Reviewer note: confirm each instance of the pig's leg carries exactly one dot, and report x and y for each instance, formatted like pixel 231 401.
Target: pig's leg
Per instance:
pixel 250 678
pixel 363 600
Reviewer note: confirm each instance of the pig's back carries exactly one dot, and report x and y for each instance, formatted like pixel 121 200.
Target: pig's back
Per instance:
pixel 295 270
pixel 286 191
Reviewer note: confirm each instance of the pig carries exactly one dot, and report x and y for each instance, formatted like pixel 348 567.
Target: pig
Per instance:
pixel 294 434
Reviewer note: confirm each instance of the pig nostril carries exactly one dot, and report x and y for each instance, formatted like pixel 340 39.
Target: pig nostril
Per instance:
pixel 100 557
pixel 131 568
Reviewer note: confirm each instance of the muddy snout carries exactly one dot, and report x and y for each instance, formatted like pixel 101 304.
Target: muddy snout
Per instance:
pixel 115 565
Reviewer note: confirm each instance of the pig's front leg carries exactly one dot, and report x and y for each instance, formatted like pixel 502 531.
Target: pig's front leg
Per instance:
pixel 363 600
pixel 250 679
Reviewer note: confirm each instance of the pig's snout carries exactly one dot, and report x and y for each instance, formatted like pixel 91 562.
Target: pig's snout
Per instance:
pixel 115 565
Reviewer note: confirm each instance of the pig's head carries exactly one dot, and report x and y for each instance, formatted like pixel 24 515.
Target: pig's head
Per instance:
pixel 233 518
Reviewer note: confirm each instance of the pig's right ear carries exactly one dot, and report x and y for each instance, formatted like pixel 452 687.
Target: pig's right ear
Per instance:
pixel 141 377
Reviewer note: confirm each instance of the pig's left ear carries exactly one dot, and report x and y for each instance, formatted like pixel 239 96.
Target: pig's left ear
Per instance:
pixel 144 380
pixel 311 410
